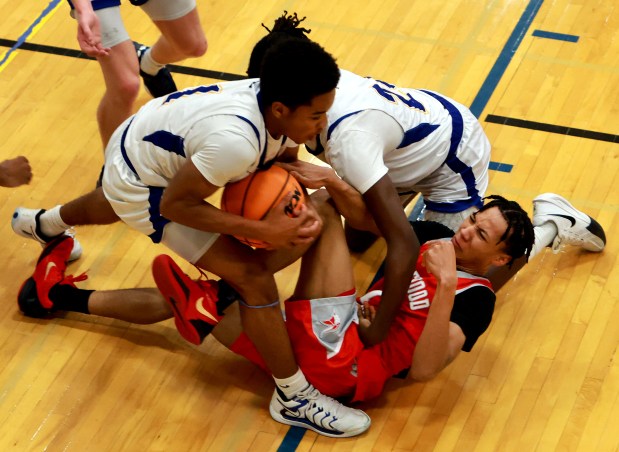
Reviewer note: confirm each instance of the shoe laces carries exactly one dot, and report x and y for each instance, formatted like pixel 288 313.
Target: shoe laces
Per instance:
pixel 71 280
pixel 319 403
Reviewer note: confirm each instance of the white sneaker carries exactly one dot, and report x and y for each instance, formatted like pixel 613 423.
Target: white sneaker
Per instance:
pixel 575 227
pixel 315 411
pixel 25 222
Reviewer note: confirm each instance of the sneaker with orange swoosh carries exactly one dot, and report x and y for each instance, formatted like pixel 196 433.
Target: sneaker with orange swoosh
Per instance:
pixel 194 303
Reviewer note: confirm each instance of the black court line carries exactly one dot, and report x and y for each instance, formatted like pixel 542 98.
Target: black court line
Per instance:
pixel 206 73
pixel 561 130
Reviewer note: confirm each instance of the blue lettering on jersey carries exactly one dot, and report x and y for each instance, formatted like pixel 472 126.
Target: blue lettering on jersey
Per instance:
pixel 168 141
pixel 390 92
pixel 190 91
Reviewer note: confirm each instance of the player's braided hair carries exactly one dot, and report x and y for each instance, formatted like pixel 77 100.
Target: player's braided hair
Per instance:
pixel 519 236
pixel 292 68
pixel 286 26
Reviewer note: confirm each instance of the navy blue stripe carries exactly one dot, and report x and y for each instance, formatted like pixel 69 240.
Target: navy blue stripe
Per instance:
pixel 22 39
pixel 557 36
pixel 167 141
pixel 455 164
pixel 158 222
pixel 512 44
pixel 417 133
pixel 334 125
pixel 123 150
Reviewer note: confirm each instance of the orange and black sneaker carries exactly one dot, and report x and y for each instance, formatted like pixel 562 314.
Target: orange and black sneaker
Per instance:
pixel 194 303
pixel 33 297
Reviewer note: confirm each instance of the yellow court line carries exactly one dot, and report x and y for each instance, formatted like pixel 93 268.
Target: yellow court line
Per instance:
pixel 34 31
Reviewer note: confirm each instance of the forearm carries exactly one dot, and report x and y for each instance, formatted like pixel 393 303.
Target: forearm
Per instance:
pixel 82 6
pixel 432 352
pixel 201 215
pixel 350 205
pixel 399 269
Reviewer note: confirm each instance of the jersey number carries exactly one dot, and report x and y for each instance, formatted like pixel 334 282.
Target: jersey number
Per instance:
pixel 391 93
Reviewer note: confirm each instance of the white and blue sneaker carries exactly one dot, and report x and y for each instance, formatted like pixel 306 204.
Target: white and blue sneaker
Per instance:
pixel 574 227
pixel 25 222
pixel 315 411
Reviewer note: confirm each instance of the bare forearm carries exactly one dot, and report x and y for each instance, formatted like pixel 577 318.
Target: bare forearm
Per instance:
pixel 350 205
pixel 432 353
pixel 206 217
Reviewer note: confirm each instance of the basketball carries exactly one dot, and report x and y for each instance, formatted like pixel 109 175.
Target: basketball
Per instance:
pixel 254 196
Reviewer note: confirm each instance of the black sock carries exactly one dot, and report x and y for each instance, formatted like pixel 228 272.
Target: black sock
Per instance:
pixel 226 295
pixel 68 298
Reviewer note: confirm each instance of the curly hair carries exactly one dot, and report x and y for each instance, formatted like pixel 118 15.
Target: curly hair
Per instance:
pixel 293 70
pixel 285 26
pixel 519 236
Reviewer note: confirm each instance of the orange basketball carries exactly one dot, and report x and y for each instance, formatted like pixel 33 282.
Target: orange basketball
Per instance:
pixel 254 196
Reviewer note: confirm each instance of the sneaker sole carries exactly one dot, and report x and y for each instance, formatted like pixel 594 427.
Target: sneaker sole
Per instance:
pixel 308 425
pixel 28 301
pixel 169 282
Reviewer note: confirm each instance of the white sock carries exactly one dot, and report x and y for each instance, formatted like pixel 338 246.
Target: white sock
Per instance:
pixel 544 236
pixel 51 222
pixel 148 65
pixel 292 385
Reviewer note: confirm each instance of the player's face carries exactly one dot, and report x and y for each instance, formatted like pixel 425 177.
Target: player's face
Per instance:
pixel 477 241
pixel 305 122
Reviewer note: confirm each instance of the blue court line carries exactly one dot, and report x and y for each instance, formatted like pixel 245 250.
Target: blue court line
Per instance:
pixel 292 439
pixel 512 44
pixel 50 7
pixel 503 167
pixel 557 36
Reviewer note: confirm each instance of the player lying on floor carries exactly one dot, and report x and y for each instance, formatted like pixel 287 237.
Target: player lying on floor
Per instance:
pixel 447 308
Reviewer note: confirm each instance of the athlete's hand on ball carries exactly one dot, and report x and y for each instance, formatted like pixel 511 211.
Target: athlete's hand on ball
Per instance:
pixel 310 175
pixel 285 229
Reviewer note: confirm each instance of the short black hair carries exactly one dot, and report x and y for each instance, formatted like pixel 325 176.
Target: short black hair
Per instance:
pixel 285 26
pixel 519 235
pixel 295 71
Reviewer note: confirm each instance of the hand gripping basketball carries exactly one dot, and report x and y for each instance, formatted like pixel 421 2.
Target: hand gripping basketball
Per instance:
pixel 254 196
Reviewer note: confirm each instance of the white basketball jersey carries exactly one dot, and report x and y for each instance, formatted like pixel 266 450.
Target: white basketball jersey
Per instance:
pixel 428 153
pixel 219 127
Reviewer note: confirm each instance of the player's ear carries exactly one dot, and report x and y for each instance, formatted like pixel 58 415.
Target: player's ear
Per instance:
pixel 279 110
pixel 501 259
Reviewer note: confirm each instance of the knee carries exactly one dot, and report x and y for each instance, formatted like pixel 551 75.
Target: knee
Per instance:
pixel 125 91
pixel 253 281
pixel 195 48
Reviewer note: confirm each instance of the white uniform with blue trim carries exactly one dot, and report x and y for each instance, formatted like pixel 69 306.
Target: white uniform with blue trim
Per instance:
pixel 427 143
pixel 219 127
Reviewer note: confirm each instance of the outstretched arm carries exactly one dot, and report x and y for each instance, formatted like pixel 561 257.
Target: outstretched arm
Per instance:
pixel 383 202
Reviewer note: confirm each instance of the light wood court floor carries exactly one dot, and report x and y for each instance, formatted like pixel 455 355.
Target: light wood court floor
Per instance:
pixel 544 377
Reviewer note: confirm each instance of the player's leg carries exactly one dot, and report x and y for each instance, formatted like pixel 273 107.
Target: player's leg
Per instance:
pixel 326 268
pixel 120 73
pixel 181 31
pixel 261 318
pixel 49 290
